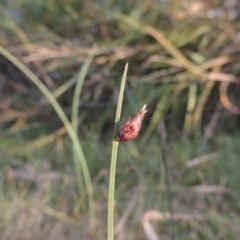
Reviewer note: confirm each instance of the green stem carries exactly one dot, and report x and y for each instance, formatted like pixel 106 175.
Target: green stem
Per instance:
pixel 75 107
pixel 114 160
pixel 77 164
pixel 111 191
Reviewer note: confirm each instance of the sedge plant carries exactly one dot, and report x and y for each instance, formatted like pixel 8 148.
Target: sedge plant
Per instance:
pixel 114 159
pixel 127 131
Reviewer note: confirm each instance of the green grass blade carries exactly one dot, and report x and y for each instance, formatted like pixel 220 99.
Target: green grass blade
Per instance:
pixel 111 191
pixel 75 105
pixel 114 160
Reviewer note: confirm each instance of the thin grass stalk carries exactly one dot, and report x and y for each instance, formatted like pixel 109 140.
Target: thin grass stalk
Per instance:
pixel 62 116
pixel 76 97
pixel 114 160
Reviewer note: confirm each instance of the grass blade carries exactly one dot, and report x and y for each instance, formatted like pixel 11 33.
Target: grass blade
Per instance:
pixel 75 105
pixel 114 160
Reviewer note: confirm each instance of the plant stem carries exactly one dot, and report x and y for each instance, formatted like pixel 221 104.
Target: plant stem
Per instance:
pixel 75 105
pixel 111 191
pixel 79 171
pixel 114 160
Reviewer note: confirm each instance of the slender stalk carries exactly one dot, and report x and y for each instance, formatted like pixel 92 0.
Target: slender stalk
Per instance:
pixel 61 115
pixel 76 97
pixel 114 160
pixel 77 164
pixel 111 191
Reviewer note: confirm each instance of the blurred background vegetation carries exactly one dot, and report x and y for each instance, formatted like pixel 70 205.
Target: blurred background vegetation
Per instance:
pixel 183 63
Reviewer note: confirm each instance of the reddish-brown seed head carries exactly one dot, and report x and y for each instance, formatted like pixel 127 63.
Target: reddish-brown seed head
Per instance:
pixel 131 128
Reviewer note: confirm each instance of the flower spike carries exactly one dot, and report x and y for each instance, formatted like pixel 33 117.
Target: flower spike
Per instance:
pixel 131 128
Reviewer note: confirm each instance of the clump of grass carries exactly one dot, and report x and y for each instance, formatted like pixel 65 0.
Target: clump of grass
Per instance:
pixel 69 127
